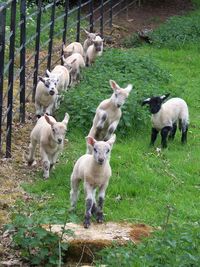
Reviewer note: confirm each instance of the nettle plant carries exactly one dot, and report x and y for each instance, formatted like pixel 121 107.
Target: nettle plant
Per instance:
pixel 125 67
pixel 37 246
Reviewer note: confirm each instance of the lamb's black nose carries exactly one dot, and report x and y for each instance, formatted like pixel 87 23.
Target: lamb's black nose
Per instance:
pixel 100 160
pixel 59 140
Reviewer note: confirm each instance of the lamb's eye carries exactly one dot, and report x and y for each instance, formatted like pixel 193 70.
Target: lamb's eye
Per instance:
pixel 116 95
pixel 53 130
pixel 95 150
pixel 108 151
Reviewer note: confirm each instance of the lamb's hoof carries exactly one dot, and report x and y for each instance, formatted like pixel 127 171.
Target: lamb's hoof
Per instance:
pixel 86 224
pixel 30 162
pixel 71 209
pixel 100 218
pixel 45 176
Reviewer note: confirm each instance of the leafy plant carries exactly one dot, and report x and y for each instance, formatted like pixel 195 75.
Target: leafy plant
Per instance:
pixel 178 246
pixel 37 245
pixel 125 67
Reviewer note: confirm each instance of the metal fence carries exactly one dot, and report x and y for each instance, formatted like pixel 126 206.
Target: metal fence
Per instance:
pixel 31 39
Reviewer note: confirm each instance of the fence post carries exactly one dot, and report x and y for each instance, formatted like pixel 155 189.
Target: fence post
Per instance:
pixel 22 60
pixel 2 49
pixel 65 22
pixel 91 16
pixel 10 79
pixel 51 33
pixel 78 21
pixel 101 19
pixel 111 13
pixel 37 49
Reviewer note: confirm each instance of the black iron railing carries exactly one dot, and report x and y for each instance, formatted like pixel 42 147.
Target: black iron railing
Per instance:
pixel 31 39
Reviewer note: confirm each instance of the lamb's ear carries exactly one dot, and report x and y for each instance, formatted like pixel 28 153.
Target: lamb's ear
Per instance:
pixel 90 140
pixel 114 85
pixel 48 119
pixel 66 119
pixel 41 79
pixel 74 60
pixel 48 73
pixel 112 140
pixel 146 101
pixel 129 88
pixel 63 58
pixel 163 97
pixel 86 32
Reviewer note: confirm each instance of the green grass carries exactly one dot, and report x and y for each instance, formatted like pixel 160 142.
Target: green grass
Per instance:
pixel 148 181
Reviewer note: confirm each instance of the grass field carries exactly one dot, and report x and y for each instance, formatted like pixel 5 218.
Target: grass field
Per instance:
pixel 149 182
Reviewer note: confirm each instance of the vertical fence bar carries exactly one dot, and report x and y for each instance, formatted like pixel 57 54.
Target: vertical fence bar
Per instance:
pixel 10 79
pixel 78 21
pixel 91 16
pixel 65 21
pixel 22 60
pixel 37 49
pixel 101 19
pixel 2 49
pixel 111 13
pixel 51 33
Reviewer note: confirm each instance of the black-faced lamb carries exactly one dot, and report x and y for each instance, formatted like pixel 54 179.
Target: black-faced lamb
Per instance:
pixel 165 116
pixel 108 113
pixel 95 171
pixel 50 135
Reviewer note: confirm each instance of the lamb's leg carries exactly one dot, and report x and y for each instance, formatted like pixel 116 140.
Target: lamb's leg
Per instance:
pixel 39 110
pixel 89 204
pixel 154 134
pixel 46 163
pixel 111 130
pixel 54 159
pixel 51 107
pixel 173 131
pixel 184 129
pixel 94 206
pixel 164 133
pixel 101 198
pixel 30 156
pixel 102 119
pixel 74 191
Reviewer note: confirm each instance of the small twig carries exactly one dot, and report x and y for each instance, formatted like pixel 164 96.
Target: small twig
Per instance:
pixel 169 211
pixel 59 243
pixel 81 256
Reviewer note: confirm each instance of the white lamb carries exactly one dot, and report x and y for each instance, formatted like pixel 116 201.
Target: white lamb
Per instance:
pixel 50 135
pixel 74 47
pixel 94 50
pixel 74 63
pixel 108 114
pixel 89 41
pixel 165 116
pixel 63 76
pixel 95 171
pixel 46 95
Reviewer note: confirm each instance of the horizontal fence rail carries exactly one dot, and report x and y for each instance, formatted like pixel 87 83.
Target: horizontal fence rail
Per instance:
pixel 31 40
